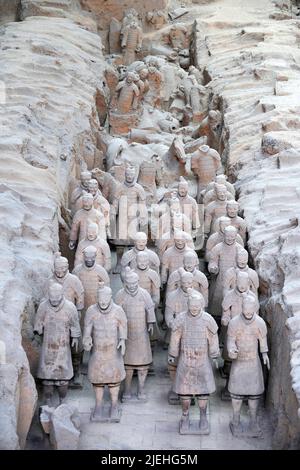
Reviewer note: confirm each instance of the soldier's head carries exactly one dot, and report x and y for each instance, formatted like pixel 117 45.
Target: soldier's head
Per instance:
pixel 89 256
pixel 232 209
pixel 61 265
pixel 250 307
pixel 85 177
pixel 221 192
pixel 56 294
pixel 180 240
pixel 242 282
pixel 130 77
pixel 230 234
pixel 183 187
pixel 140 241
pixel 190 261
pixel 131 281
pixel 196 302
pixel 87 201
pixel 142 260
pixel 174 204
pixel 221 179
pixel 223 223
pixel 186 280
pixel 104 296
pixel 143 73
pixel 93 187
pixel 242 258
pixel 92 232
pixel 130 174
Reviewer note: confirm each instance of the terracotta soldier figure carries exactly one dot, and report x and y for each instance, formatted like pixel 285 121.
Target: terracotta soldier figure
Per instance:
pixel 57 320
pixel 205 163
pixel 139 309
pixel 74 292
pixel 191 265
pixel 150 175
pixel 155 80
pixel 90 274
pixel 103 256
pixel 221 179
pixel 140 245
pixel 167 240
pixel 211 195
pixel 232 210
pixel 173 258
pixel 194 340
pixel 128 94
pixel 76 203
pixel 148 278
pixel 83 218
pixel 105 333
pixel 222 257
pixel 241 266
pixel 189 206
pixel 99 201
pixel 132 38
pixel 214 210
pixel 247 334
pixel 171 216
pixel 218 237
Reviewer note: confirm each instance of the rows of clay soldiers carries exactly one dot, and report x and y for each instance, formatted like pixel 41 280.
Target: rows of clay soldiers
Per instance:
pixel 79 312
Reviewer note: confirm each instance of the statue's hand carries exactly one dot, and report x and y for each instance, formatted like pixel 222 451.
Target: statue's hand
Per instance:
pixel 233 353
pixel 216 362
pixel 266 360
pixel 171 359
pixel 213 269
pixel 224 321
pixel 150 329
pixel 75 342
pixel 71 245
pixel 87 343
pixel 121 345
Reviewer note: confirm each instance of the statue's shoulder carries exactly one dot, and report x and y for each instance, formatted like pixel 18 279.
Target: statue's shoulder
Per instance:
pixel 210 323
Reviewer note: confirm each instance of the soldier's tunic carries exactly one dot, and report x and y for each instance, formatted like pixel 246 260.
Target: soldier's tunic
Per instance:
pixel 194 341
pixel 129 203
pixel 150 281
pixel 176 302
pixel 75 201
pixel 58 325
pixel 189 208
pixel 82 219
pixel 200 282
pixel 224 257
pixel 106 365
pixel 231 276
pixel 129 259
pixel 172 259
pixel 72 289
pixel 246 378
pixel 213 211
pixel 139 310
pixel 132 39
pixel 214 239
pixel 149 175
pixel 103 252
pixel 90 278
pixel 205 165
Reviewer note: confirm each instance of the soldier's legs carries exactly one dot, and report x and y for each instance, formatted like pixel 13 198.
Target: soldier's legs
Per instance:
pixel 142 375
pixel 185 406
pixel 62 389
pixel 202 403
pixel 128 381
pixel 119 254
pixel 48 393
pixel 77 357
pixel 99 392
pixel 236 419
pixel 114 395
pixel 253 407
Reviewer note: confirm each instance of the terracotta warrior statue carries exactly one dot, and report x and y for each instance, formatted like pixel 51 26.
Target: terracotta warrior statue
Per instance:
pixel 73 291
pixel 140 246
pixel 232 210
pixel 105 333
pixel 173 258
pixel 151 176
pixel 246 336
pixel 132 38
pixel 222 257
pixel 205 163
pixel 103 256
pixel 218 237
pixel 90 274
pixel 57 320
pixel 188 204
pixel 155 79
pixel 221 179
pixel 170 217
pixel 190 265
pixel 100 202
pixel 214 210
pixel 230 278
pixel 139 309
pixel 194 340
pixel 128 94
pixel 177 300
pixel 83 218
pixel 76 203
pixel 211 195
pixel 178 222
pixel 148 278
